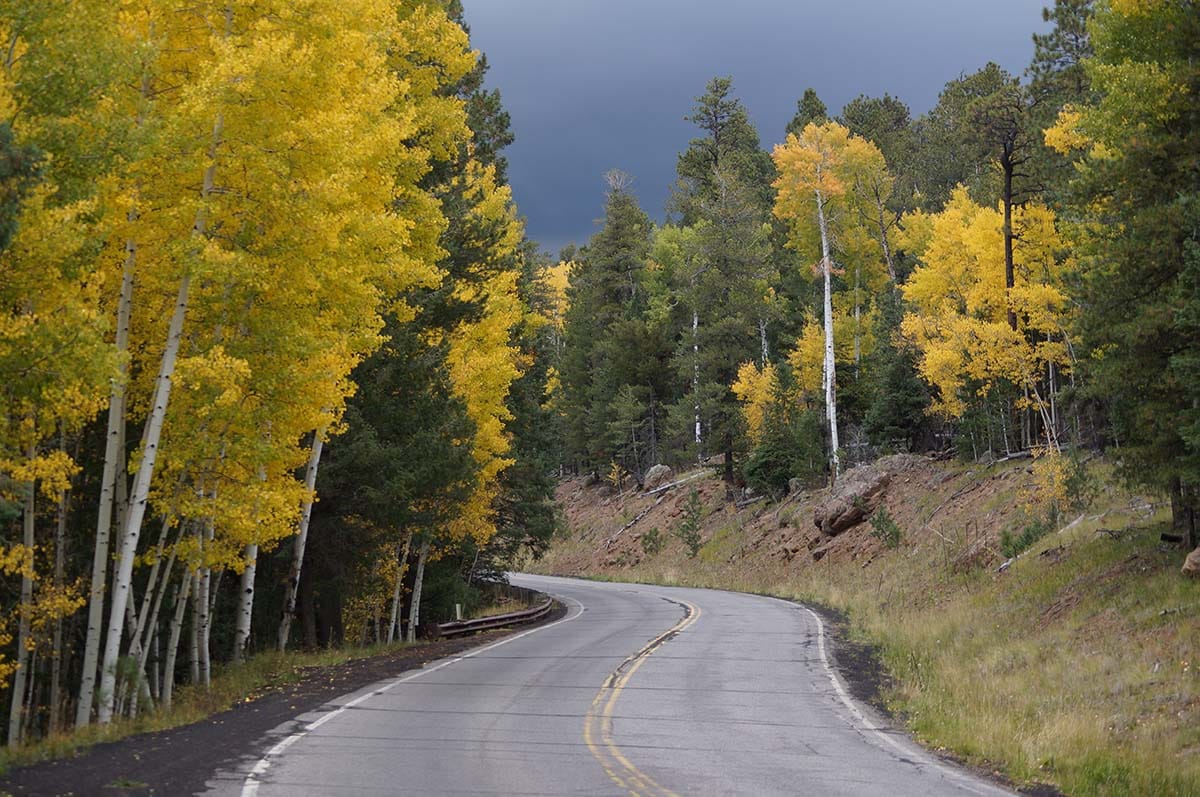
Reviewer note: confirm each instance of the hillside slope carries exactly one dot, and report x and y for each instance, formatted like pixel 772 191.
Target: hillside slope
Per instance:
pixel 1075 664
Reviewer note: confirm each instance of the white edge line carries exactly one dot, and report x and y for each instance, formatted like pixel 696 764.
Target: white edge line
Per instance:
pixel 251 783
pixel 964 779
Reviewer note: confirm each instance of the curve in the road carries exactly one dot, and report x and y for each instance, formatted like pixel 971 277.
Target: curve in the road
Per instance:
pixel 254 778
pixel 671 690
pixel 597 724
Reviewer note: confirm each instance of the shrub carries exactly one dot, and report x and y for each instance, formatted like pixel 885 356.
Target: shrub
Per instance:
pixel 792 447
pixel 885 529
pixel 1013 544
pixel 688 531
pixel 652 542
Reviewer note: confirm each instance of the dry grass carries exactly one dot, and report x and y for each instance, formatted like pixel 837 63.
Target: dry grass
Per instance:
pixel 1079 665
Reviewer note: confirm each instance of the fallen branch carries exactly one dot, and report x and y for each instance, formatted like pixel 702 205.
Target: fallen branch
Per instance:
pixel 608 543
pixel 666 487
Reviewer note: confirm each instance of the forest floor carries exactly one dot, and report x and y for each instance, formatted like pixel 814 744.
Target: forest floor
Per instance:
pixel 1074 665
pixel 180 760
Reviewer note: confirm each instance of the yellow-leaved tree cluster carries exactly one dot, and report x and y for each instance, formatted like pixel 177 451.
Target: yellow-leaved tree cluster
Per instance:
pixel 207 214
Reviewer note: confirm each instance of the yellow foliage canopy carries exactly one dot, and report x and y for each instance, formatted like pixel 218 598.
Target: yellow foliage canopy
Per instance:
pixel 755 388
pixel 959 320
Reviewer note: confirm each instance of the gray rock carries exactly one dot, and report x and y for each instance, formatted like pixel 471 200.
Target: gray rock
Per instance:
pixel 657 476
pixel 855 496
pixel 1191 565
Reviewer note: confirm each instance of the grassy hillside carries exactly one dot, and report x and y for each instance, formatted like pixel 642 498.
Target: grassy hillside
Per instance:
pixel 1077 664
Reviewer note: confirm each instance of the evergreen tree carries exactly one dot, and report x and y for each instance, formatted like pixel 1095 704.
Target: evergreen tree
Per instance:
pixel 809 109
pixel 607 342
pixel 729 145
pixel 1138 152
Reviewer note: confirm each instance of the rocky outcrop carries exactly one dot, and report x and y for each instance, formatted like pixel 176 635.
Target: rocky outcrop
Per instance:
pixel 1191 565
pixel 855 496
pixel 657 476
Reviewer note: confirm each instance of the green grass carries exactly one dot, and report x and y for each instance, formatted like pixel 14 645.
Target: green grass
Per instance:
pixel 231 684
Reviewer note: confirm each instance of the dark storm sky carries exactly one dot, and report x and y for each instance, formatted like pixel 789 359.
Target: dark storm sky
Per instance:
pixel 594 85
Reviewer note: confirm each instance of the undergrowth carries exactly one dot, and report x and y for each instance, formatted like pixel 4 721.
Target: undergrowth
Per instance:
pixel 230 685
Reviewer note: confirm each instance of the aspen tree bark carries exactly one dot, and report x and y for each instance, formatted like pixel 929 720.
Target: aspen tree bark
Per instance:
pixel 414 611
pixel 141 484
pixel 1008 165
pixel 293 582
pixel 194 632
pixel 152 626
pixel 113 451
pixel 762 339
pixel 152 584
pixel 398 588
pixel 241 635
pixel 138 500
pixel 20 677
pixel 203 602
pixel 883 239
pixel 857 320
pixel 181 601
pixel 60 538
pixel 830 369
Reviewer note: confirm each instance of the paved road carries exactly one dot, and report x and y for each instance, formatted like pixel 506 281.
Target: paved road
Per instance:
pixel 638 690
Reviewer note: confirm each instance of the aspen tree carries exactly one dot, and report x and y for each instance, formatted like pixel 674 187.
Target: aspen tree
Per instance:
pixel 816 173
pixel 961 305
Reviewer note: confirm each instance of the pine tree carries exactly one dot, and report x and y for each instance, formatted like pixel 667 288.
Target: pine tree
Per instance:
pixel 1136 197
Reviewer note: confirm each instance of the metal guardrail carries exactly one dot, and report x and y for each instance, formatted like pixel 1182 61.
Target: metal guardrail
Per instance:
pixel 459 627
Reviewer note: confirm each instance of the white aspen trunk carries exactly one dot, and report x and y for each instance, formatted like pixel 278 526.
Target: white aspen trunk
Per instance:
pixel 126 697
pixel 194 632
pixel 830 369
pixel 154 611
pixel 398 588
pixel 883 238
pixel 241 635
pixel 1054 419
pixel 137 508
pixel 152 585
pixel 414 611
pixel 1004 429
pixel 762 339
pixel 60 538
pixel 141 483
pixel 155 673
pixel 168 673
pixel 203 600
pixel 20 677
pixel 857 321
pixel 30 695
pixel 113 452
pixel 293 582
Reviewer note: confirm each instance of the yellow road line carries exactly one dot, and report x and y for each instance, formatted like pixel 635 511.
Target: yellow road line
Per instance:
pixel 597 724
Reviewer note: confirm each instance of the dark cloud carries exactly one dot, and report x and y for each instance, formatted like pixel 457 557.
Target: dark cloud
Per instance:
pixel 594 85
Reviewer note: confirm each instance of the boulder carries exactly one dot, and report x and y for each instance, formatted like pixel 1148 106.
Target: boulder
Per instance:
pixel 855 496
pixel 1191 565
pixel 795 486
pixel 657 476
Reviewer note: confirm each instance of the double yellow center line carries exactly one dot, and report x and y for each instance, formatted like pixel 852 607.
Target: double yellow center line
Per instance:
pixel 597 724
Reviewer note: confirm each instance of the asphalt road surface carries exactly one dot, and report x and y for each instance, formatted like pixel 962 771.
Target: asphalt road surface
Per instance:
pixel 637 690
